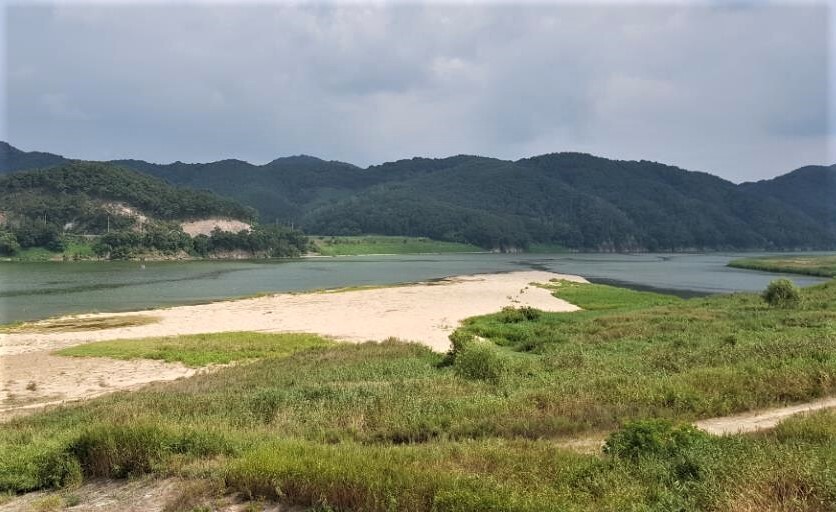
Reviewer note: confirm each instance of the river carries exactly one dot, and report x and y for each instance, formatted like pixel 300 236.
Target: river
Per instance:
pixel 38 290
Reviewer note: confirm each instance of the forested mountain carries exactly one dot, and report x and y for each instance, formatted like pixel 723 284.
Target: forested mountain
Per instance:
pixel 573 199
pixel 79 192
pixel 121 213
pixel 811 189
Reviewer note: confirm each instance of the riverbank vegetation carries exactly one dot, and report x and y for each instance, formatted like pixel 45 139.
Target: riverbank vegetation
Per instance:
pixel 359 245
pixel 394 426
pixel 813 265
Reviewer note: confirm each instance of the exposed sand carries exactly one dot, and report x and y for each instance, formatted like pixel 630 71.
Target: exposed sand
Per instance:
pixel 34 380
pixel 205 226
pixel 760 420
pixel 424 312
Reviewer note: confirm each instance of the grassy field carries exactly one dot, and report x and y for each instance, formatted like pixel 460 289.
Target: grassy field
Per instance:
pixel 823 266
pixel 359 245
pixel 394 426
pixel 202 349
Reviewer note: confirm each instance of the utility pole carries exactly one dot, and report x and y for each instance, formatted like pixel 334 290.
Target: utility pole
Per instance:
pixel 108 223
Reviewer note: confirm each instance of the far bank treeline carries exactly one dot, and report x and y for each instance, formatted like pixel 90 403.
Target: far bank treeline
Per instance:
pixel 572 200
pixel 84 210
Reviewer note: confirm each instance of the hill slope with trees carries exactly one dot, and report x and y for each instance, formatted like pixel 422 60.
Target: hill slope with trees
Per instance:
pixel 571 199
pixel 120 213
pixel 811 189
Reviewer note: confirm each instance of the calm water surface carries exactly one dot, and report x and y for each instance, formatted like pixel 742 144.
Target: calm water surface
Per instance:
pixel 38 290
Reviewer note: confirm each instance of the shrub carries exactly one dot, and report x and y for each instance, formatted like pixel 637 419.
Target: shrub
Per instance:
pixel 512 315
pixel 8 244
pixel 480 361
pixel 653 438
pixel 56 469
pixel 781 293
pixel 459 339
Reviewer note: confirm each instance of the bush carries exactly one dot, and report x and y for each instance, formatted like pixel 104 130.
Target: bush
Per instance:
pixel 8 244
pixel 653 438
pixel 781 293
pixel 512 315
pixel 123 451
pixel 459 339
pixel 480 361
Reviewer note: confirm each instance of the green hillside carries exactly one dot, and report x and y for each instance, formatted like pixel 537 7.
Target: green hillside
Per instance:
pixel 572 200
pixel 86 209
pixel 811 189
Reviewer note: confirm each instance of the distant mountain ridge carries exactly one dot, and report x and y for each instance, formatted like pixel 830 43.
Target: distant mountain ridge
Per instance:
pixel 577 200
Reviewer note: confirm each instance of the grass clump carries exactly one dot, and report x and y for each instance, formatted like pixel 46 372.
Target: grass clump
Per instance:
pixel 47 504
pixel 202 349
pixel 480 361
pixel 781 293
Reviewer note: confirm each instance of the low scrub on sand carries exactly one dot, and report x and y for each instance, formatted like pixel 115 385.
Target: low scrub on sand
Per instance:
pixel 395 426
pixel 71 324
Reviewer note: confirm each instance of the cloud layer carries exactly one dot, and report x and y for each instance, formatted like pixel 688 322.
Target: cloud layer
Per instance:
pixel 737 91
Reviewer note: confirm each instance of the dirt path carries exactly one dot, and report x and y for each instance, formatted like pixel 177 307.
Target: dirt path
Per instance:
pixel 743 423
pixel 759 420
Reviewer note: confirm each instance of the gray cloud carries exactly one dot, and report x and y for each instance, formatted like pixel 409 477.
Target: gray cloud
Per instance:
pixel 741 92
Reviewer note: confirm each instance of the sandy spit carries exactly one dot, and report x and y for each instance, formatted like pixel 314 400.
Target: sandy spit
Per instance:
pixel 427 313
pixel 424 312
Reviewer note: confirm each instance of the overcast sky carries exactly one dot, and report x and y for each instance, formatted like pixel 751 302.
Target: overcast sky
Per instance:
pixel 737 90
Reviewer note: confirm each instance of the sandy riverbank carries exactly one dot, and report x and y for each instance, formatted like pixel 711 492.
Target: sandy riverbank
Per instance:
pixel 423 312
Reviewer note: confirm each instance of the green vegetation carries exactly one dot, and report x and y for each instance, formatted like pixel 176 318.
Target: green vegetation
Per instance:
pixel 85 210
pixel 823 266
pixel 62 194
pixel 357 245
pixel 202 349
pixel 781 293
pixel 394 426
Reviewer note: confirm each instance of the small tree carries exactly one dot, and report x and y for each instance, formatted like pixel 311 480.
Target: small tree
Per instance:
pixel 781 293
pixel 8 244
